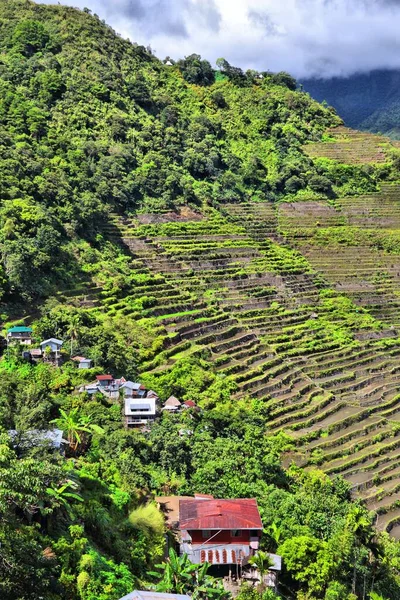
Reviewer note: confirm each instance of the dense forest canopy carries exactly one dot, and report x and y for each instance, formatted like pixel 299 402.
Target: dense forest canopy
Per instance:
pixel 99 138
pixel 92 123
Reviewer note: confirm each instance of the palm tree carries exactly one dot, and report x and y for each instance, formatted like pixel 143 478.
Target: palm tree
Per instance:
pixel 358 524
pixel 75 425
pixel 73 329
pixel 262 562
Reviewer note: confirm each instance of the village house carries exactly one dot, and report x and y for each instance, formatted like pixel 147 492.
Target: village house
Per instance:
pixel 112 388
pixel 104 381
pixel 107 385
pixel 139 404
pixel 133 389
pixel 22 335
pixel 191 404
pixel 172 404
pixel 83 363
pixel 51 349
pixel 53 344
pixel 224 533
pixel 139 412
pixel 104 384
pixel 48 350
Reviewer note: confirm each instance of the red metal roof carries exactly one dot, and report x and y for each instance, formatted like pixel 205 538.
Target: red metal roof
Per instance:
pixel 219 514
pixel 104 377
pixel 190 404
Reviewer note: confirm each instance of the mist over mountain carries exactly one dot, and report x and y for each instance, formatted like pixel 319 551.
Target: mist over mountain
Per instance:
pixel 307 38
pixel 369 101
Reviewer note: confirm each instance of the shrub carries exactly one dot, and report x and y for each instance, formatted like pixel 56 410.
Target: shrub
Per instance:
pixel 319 183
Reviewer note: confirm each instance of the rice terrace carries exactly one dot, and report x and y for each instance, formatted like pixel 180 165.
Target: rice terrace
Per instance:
pixel 299 305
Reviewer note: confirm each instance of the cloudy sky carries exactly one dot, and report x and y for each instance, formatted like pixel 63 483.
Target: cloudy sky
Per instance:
pixel 304 37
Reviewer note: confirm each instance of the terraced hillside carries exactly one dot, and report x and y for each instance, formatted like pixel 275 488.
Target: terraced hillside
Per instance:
pixel 297 304
pixel 351 147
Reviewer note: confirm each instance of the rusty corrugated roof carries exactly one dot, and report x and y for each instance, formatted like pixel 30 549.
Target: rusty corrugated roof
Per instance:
pixel 190 404
pixel 219 514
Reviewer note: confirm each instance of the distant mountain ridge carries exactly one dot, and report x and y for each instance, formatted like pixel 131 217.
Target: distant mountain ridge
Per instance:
pixel 368 101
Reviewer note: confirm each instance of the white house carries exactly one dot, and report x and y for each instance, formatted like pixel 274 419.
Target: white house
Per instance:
pixel 139 412
pixel 85 363
pixel 53 344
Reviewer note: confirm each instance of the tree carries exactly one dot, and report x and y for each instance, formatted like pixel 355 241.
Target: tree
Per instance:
pixel 195 70
pixel 76 425
pixel 63 494
pixel 235 74
pixel 336 591
pixel 275 533
pixel 358 525
pixel 294 184
pixel 29 37
pixel 73 329
pixel 309 561
pixel 319 183
pixel 148 519
pixel 262 561
pixel 180 576
pixel 284 79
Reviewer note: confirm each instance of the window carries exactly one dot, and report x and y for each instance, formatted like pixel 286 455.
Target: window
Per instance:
pixel 236 533
pixel 206 533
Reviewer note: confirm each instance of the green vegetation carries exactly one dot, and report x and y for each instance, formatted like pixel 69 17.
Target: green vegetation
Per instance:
pixel 84 532
pixel 216 235
pixel 91 123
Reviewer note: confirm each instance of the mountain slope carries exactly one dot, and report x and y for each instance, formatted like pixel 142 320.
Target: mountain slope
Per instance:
pixel 91 122
pixel 367 101
pixel 220 238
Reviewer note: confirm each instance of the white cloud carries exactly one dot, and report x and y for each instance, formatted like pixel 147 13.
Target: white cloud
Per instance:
pixel 304 37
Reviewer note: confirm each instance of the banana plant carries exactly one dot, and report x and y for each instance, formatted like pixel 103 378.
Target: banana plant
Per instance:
pixel 76 425
pixel 63 495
